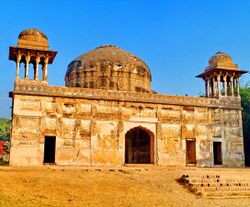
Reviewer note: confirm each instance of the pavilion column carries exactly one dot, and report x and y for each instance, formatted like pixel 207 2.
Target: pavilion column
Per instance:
pixel 45 69
pixel 27 62
pixel 210 88
pixel 225 85
pixel 18 60
pixel 36 68
pixel 214 87
pixel 237 86
pixel 206 84
pixel 232 85
pixel 218 85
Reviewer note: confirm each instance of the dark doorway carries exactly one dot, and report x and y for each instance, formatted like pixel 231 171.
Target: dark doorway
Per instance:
pixel 49 149
pixel 139 146
pixel 217 153
pixel 190 152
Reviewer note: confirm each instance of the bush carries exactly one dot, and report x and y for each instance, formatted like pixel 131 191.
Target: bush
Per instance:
pixel 245 103
pixel 5 127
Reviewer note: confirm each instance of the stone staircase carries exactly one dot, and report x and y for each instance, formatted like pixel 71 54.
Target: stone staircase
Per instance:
pixel 218 186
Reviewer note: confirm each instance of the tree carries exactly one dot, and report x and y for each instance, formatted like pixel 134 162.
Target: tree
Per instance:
pixel 245 103
pixel 5 126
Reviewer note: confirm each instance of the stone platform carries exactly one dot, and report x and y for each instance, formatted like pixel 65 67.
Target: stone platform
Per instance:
pixel 217 185
pixel 127 168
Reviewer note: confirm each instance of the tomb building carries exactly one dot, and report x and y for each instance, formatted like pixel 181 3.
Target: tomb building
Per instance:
pixel 107 114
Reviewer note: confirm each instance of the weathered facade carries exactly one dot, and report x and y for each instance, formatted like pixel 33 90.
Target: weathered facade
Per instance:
pixel 107 114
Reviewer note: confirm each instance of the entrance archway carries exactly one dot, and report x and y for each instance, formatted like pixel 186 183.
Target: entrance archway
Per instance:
pixel 139 146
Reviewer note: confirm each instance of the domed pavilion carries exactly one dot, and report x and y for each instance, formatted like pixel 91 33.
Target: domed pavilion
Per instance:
pixel 32 48
pixel 221 76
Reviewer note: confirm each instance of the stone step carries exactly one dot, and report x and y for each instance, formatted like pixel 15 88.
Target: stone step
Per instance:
pixel 199 181
pixel 225 192
pixel 225 189
pixel 212 176
pixel 220 194
pixel 219 184
pixel 198 176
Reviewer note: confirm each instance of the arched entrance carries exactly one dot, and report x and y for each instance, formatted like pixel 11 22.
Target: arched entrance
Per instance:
pixel 139 146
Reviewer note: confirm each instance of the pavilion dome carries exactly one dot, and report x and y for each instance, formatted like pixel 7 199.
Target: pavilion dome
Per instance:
pixel 109 67
pixel 33 39
pixel 221 60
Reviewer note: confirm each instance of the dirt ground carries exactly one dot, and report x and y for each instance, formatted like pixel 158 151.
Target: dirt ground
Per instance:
pixel 75 186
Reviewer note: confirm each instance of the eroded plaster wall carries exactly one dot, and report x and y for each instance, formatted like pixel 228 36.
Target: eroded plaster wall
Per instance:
pixel 92 132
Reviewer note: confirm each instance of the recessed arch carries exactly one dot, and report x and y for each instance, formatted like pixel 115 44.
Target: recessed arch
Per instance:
pixel 139 146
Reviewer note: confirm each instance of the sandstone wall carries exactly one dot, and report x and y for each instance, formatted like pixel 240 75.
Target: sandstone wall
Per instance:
pixel 92 132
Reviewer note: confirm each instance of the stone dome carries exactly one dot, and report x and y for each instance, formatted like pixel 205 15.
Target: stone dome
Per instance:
pixel 111 68
pixel 33 39
pixel 221 60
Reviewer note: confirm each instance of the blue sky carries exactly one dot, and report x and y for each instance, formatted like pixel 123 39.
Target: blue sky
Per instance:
pixel 175 38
